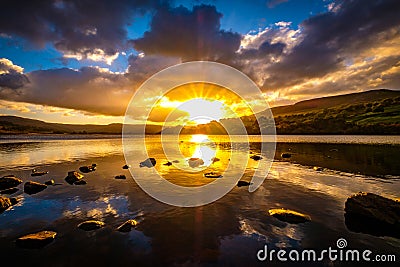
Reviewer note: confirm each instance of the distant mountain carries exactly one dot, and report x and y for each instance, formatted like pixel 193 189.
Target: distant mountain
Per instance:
pixel 14 124
pixel 370 112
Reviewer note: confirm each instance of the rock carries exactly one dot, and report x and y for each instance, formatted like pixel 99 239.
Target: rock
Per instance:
pixel 373 214
pixel 6 202
pixel 150 162
pixel 286 155
pixel 215 159
pixel 50 182
pixel 86 169
pixel 175 161
pixel 195 162
pixel 9 191
pixel 256 157
pixel 38 173
pixel 33 187
pixel 125 167
pixel 212 175
pixel 127 226
pixel 289 216
pixel 318 169
pixel 9 181
pixel 243 183
pixel 90 225
pixel 120 176
pixel 80 182
pixel 36 240
pixel 169 163
pixel 73 176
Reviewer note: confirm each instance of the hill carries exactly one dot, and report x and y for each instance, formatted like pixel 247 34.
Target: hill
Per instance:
pixel 370 112
pixel 15 125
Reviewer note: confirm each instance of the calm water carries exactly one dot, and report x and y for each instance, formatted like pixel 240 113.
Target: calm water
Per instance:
pixel 227 232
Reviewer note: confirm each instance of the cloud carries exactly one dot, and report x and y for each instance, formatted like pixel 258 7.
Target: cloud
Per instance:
pixel 274 3
pixel 328 39
pixel 90 89
pixel 74 27
pixel 11 75
pixel 189 34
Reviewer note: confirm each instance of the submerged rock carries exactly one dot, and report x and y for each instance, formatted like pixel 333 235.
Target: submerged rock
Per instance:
pixel 6 202
pixel 243 183
pixel 9 181
pixel 127 226
pixel 121 176
pixel 286 155
pixel 289 216
pixel 256 157
pixel 38 173
pixel 90 225
pixel 73 176
pixel 150 162
pixel 213 175
pixel 318 169
pixel 125 167
pixel 195 162
pixel 33 187
pixel 175 161
pixel 80 182
pixel 86 169
pixel 50 182
pixel 215 159
pixel 36 240
pixel 373 214
pixel 9 191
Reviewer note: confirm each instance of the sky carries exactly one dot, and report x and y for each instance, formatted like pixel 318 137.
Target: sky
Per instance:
pixel 76 61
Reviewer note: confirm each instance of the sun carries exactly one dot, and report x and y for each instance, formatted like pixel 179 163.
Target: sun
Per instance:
pixel 202 111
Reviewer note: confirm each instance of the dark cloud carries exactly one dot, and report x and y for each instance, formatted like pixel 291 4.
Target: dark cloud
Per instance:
pixel 329 38
pixel 72 26
pixel 189 34
pixel 265 49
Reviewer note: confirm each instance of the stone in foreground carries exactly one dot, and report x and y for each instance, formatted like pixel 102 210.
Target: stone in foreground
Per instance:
pixel 33 187
pixel 243 183
pixel 36 240
pixel 125 167
pixel 73 177
pixel 127 226
pixel 9 181
pixel 289 216
pixel 6 202
pixel 373 214
pixel 256 157
pixel 121 177
pixel 90 225
pixel 286 155
pixel 86 169
pixel 150 162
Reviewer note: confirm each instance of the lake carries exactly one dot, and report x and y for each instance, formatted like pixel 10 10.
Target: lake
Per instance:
pixel 227 232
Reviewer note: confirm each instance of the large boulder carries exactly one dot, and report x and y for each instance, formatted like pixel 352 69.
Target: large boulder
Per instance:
pixel 373 214
pixel 73 177
pixel 289 216
pixel 36 240
pixel 33 187
pixel 9 181
pixel 90 225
